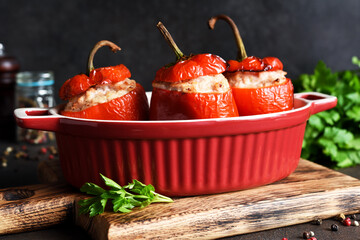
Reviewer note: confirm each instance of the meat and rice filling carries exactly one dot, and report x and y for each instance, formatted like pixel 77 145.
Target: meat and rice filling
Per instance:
pixel 204 84
pixel 247 79
pixel 100 94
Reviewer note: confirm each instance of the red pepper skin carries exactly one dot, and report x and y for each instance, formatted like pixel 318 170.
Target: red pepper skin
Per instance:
pixel 131 106
pixel 80 83
pixel 255 64
pixel 106 75
pixel 174 105
pixel 253 101
pixel 272 63
pixel 196 66
pixel 74 86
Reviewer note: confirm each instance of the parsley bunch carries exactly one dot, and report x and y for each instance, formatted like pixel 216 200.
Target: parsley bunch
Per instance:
pixel 124 199
pixel 332 137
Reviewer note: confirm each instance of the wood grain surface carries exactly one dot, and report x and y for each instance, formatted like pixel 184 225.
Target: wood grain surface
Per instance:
pixel 35 207
pixel 311 191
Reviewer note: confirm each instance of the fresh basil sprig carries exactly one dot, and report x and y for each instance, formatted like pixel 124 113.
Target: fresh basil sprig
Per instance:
pixel 123 199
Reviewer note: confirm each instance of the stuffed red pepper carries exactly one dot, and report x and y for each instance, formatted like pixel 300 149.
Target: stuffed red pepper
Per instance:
pixel 105 93
pixel 259 85
pixel 191 88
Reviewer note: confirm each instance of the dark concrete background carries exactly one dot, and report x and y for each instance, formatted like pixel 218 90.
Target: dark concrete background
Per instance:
pixel 57 35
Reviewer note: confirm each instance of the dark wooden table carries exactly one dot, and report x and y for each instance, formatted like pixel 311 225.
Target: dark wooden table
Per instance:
pixel 23 171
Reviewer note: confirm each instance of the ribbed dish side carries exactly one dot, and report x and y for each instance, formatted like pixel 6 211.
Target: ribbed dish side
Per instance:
pixel 180 167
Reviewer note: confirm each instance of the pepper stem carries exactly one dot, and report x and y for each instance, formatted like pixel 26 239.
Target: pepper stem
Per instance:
pixel 100 44
pixel 241 55
pixel 170 41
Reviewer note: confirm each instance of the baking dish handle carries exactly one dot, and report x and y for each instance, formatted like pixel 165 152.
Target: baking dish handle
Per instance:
pixel 320 101
pixel 36 118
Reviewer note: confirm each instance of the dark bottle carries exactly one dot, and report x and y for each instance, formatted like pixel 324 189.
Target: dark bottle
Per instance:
pixel 9 67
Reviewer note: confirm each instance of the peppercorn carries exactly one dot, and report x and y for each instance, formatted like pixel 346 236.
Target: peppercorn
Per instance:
pixel 356 223
pixel 8 150
pixel 21 154
pixel 51 157
pixel 306 235
pixel 3 162
pixel 312 238
pixel 284 239
pixel 347 222
pixel 353 216
pixel 52 150
pixel 341 217
pixel 311 233
pixel 317 221
pixel 334 227
pixel 43 150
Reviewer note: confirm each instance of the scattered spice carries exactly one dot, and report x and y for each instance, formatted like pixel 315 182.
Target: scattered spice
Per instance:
pixel 347 222
pixel 52 150
pixel 341 217
pixel 317 221
pixel 22 152
pixel 311 233
pixel 43 150
pixel 306 235
pixel 8 151
pixel 356 223
pixel 334 227
pixel 3 162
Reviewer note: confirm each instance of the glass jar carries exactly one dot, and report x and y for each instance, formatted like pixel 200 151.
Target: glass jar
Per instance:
pixel 34 89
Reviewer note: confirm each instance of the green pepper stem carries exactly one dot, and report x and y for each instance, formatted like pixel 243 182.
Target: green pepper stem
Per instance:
pixel 98 45
pixel 241 55
pixel 170 41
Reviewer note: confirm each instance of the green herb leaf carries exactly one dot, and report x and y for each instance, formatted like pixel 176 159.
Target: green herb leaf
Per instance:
pixel 124 199
pixel 332 137
pixel 110 183
pixel 356 61
pixel 91 188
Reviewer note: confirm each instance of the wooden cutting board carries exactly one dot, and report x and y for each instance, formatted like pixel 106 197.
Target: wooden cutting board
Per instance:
pixel 312 191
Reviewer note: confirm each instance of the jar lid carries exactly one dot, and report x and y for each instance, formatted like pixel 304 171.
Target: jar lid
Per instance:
pixel 35 78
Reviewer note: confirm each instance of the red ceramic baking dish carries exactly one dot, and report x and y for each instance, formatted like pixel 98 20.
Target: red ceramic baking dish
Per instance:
pixel 181 158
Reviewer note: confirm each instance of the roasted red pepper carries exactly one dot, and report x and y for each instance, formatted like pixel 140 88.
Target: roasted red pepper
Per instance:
pixel 193 67
pixel 131 106
pixel 182 106
pixel 255 64
pixel 172 104
pixel 252 101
